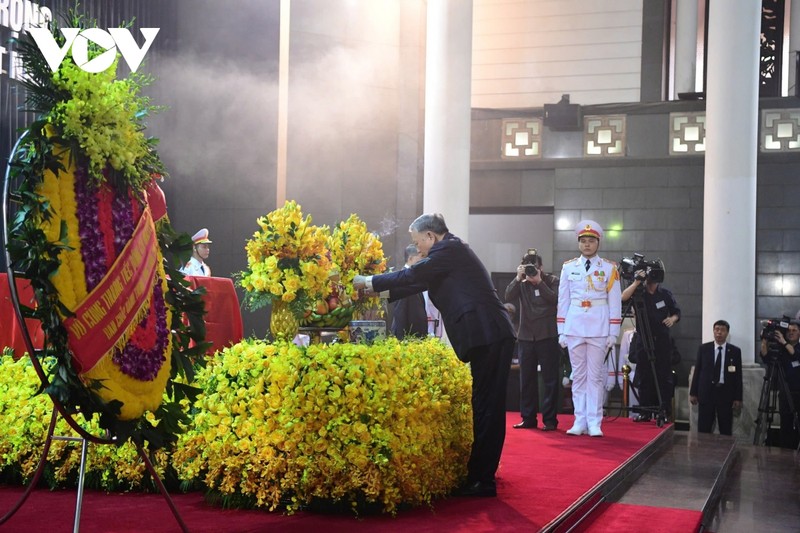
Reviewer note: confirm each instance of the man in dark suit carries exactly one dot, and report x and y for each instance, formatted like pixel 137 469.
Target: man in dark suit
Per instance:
pixel 409 316
pixel 717 382
pixel 477 325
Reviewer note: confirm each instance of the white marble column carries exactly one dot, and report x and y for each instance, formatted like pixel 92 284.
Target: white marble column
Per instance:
pixel 729 222
pixel 794 45
pixel 685 47
pixel 448 83
pixel 283 103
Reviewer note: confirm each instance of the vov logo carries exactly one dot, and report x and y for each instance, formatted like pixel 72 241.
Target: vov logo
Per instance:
pixel 112 40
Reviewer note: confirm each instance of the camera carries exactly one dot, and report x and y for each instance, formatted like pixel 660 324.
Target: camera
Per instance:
pixel 653 270
pixel 774 325
pixel 530 260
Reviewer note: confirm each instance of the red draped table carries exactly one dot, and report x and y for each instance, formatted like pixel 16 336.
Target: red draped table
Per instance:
pixel 10 332
pixel 223 318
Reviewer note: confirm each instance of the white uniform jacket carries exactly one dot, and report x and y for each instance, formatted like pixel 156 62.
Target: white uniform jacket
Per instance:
pixel 195 268
pixel 589 302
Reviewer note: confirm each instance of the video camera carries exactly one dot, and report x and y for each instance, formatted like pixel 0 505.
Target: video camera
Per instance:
pixel 774 325
pixel 530 260
pixel 653 270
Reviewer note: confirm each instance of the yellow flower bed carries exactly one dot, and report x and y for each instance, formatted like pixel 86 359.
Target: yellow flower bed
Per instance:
pixel 388 423
pixel 24 417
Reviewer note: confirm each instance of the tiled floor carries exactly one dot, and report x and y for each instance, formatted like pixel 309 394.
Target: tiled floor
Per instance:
pixel 760 489
pixel 684 475
pixel 761 493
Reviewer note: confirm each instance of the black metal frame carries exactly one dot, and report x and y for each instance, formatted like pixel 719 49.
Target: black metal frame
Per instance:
pixel 58 409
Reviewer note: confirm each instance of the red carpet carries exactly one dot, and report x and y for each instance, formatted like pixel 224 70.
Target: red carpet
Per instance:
pixel 541 474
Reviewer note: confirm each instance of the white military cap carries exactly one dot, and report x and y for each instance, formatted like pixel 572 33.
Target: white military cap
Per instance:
pixel 589 228
pixel 201 237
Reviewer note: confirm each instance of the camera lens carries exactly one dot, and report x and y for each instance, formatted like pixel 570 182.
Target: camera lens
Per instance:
pixel 530 270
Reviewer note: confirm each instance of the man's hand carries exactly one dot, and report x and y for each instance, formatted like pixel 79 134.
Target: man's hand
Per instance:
pixel 359 282
pixel 693 400
pixel 520 272
pixel 737 405
pixel 562 340
pixel 611 341
pixel 670 321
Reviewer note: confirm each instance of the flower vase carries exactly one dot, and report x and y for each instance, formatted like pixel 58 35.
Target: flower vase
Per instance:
pixel 283 323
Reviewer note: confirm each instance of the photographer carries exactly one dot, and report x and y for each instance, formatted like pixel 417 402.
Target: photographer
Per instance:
pixel 537 337
pixel 662 314
pixel 784 347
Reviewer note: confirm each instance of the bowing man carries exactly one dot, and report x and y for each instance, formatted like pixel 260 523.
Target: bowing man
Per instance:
pixel 477 325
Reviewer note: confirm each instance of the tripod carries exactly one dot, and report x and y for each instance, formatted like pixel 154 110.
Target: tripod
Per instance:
pixel 642 319
pixel 774 381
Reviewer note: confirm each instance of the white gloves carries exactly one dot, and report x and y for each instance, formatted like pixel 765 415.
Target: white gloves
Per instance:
pixel 610 341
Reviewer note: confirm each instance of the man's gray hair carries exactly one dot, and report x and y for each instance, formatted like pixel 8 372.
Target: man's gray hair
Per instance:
pixel 433 222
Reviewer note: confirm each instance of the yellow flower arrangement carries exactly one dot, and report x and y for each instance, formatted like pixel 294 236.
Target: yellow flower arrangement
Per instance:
pixel 61 194
pixel 385 424
pixel 286 260
pixel 354 250
pixel 101 116
pixel 84 236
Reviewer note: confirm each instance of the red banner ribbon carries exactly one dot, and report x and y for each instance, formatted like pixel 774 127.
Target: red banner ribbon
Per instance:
pixel 102 320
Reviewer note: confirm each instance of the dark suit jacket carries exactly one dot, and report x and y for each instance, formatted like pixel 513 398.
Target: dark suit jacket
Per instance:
pixel 460 287
pixel 702 381
pixel 409 317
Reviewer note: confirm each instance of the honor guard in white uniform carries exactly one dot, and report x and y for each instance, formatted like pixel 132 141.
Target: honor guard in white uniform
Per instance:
pixel 196 266
pixel 589 318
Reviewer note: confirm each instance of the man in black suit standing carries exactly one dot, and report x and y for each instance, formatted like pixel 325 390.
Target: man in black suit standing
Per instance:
pixel 477 325
pixel 409 317
pixel 717 382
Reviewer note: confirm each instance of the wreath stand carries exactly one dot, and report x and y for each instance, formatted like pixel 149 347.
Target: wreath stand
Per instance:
pixel 58 409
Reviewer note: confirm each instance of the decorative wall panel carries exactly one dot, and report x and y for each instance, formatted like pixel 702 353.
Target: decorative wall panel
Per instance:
pixel 780 130
pixel 687 133
pixel 522 138
pixel 604 135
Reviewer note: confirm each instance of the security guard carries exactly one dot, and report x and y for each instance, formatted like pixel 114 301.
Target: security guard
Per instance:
pixel 589 318
pixel 196 266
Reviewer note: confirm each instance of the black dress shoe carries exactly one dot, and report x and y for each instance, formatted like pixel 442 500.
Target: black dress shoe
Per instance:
pixel 480 489
pixel 548 428
pixel 642 418
pixel 525 425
